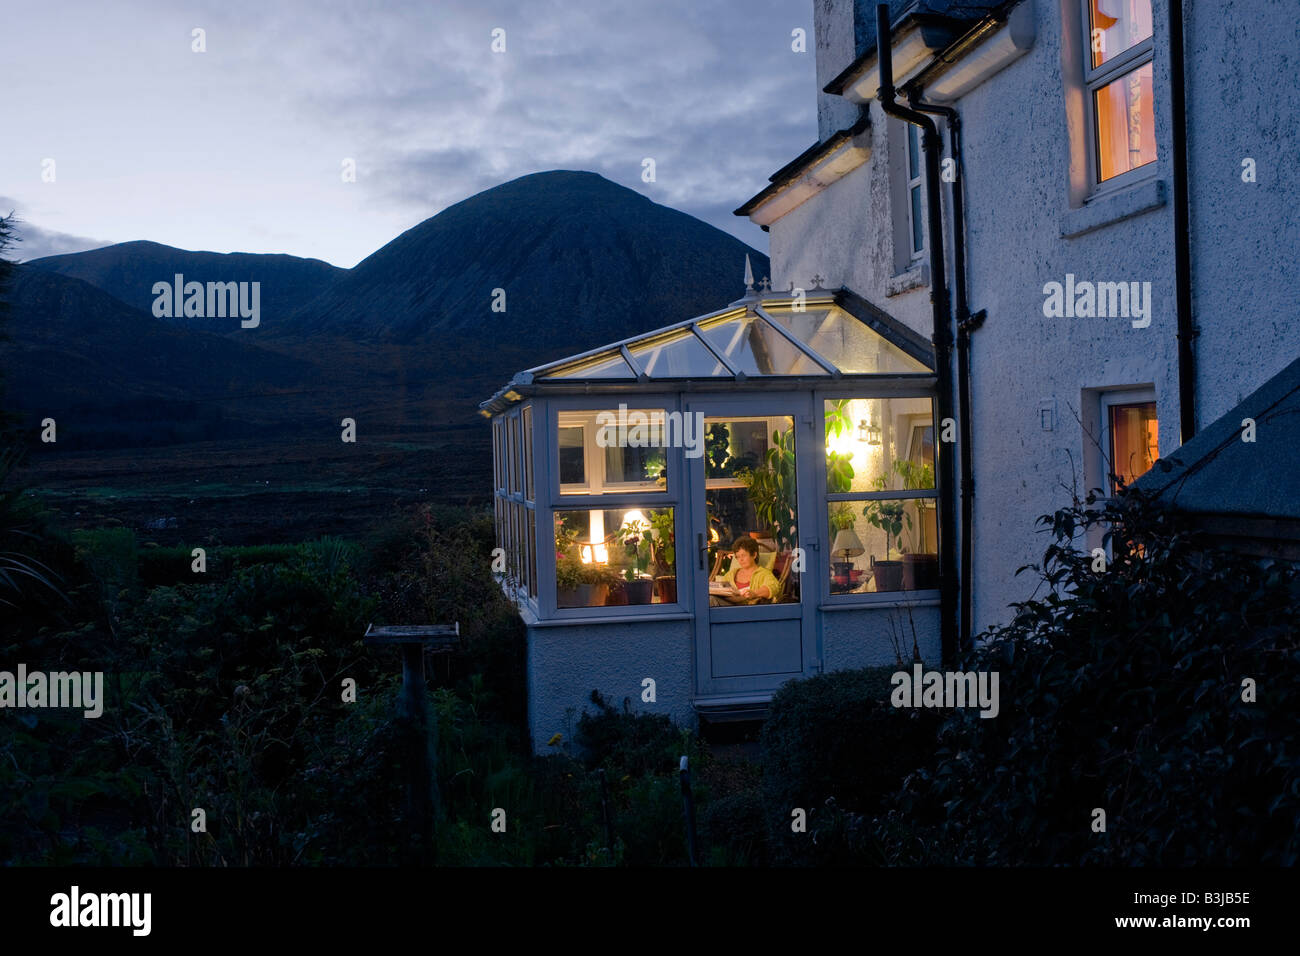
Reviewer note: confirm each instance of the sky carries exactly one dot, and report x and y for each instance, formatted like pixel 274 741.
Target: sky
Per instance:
pixel 242 147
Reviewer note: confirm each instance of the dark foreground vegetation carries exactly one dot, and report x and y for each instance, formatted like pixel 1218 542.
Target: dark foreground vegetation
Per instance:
pixel 1120 690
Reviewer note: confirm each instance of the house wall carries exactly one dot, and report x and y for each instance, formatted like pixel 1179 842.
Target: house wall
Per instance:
pixel 866 638
pixel 566 663
pixel 1036 380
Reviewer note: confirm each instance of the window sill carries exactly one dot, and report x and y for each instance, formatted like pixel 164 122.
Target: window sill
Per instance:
pixel 875 599
pixel 916 277
pixel 532 620
pixel 1111 207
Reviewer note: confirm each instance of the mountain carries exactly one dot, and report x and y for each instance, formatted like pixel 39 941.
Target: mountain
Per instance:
pixel 128 271
pixel 108 372
pixel 581 260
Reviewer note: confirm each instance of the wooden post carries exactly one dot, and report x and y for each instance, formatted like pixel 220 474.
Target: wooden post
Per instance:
pixel 688 806
pixel 419 730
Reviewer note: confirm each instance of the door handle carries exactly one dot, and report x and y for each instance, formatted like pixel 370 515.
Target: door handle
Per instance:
pixel 704 549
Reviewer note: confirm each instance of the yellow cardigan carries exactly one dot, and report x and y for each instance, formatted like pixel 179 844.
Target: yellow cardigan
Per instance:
pixel 762 577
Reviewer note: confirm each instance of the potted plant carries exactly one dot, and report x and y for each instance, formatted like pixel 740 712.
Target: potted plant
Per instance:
pixel 664 554
pixel 772 490
pixel 920 561
pixel 568 581
pixel 597 579
pixel 889 517
pixel 637 583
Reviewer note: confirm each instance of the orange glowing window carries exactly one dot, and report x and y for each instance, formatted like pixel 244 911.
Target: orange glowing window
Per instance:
pixel 1119 80
pixel 1133 441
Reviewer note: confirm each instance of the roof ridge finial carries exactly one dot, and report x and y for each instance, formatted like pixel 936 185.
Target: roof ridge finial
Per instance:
pixel 749 276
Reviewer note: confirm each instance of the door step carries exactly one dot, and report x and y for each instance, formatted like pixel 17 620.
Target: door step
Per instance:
pixel 733 707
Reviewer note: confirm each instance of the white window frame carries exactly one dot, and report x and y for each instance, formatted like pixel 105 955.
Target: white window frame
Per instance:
pixel 1108 400
pixel 912 150
pixel 597 482
pixel 1094 79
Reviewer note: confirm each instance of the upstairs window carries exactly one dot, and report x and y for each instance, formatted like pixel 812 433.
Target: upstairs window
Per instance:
pixel 1118 76
pixel 915 194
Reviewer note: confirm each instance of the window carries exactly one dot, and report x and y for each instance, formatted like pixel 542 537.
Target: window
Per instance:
pixel 1118 77
pixel 615 451
pixel 915 194
pixel 615 556
pixel 1130 435
pixel 880 495
pixel 513 514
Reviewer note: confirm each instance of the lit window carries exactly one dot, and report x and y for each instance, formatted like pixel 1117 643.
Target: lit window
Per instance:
pixel 1118 73
pixel 1134 433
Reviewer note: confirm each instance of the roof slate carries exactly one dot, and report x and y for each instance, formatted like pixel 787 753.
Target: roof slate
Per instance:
pixel 1219 473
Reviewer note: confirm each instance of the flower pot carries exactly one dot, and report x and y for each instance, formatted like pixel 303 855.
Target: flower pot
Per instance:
pixel 889 575
pixel 567 597
pixel 617 596
pixel 667 588
pixel 638 591
pixel 920 572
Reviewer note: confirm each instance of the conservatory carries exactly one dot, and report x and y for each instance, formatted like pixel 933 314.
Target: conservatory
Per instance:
pixel 796 428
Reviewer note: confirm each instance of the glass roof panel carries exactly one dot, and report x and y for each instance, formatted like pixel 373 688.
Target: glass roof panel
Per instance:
pixel 845 342
pixel 607 365
pixel 755 348
pixel 677 356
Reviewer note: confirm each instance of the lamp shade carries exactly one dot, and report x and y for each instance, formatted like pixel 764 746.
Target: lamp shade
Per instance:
pixel 847 544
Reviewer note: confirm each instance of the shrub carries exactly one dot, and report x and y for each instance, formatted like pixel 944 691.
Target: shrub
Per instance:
pixel 835 737
pixel 1122 690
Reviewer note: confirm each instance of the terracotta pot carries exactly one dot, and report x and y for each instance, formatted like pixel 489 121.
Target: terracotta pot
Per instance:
pixel 889 575
pixel 667 588
pixel 920 572
pixel 638 591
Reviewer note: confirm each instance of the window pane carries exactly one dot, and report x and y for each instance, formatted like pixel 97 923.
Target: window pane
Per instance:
pixel 750 492
pixel 844 341
pixel 602 366
pixel 1126 136
pixel 883 545
pixel 1117 25
pixel 879 444
pixel 629 453
pixel 615 556
pixel 679 357
pixel 913 153
pixel 755 348
pixel 573 468
pixel 1133 441
pixel 532 553
pixel 918 233
pixel 528 453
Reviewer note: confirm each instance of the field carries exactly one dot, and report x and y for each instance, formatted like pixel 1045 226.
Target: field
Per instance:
pixel 259 491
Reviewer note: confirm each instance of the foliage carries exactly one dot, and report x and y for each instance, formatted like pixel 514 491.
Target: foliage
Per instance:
pixel 888 516
pixel 663 538
pixel 839 467
pixel 835 737
pixel 1122 689
pixel 772 489
pixel 568 573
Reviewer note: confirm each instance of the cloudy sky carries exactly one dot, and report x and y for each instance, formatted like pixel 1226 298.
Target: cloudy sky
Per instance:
pixel 241 147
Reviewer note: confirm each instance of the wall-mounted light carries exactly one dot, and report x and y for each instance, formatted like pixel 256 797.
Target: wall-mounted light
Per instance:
pixel 869 432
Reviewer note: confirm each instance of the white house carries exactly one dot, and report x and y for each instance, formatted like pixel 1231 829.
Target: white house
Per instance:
pixel 1113 269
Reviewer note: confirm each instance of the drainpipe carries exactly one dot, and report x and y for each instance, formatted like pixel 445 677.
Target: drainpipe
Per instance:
pixel 931 144
pixel 1187 331
pixel 966 324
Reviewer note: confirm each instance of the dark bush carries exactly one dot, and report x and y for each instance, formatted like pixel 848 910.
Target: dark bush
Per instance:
pixel 1122 689
pixel 835 737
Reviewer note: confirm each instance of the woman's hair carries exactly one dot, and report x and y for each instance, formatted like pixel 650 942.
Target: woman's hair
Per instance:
pixel 749 544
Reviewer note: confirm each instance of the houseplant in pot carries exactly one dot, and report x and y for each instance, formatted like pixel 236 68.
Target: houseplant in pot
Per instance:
pixel 637 583
pixel 568 581
pixel 663 552
pixel 597 579
pixel 889 517
pixel 920 560
pixel 771 487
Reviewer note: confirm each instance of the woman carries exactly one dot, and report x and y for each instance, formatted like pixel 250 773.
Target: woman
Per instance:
pixel 747 579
